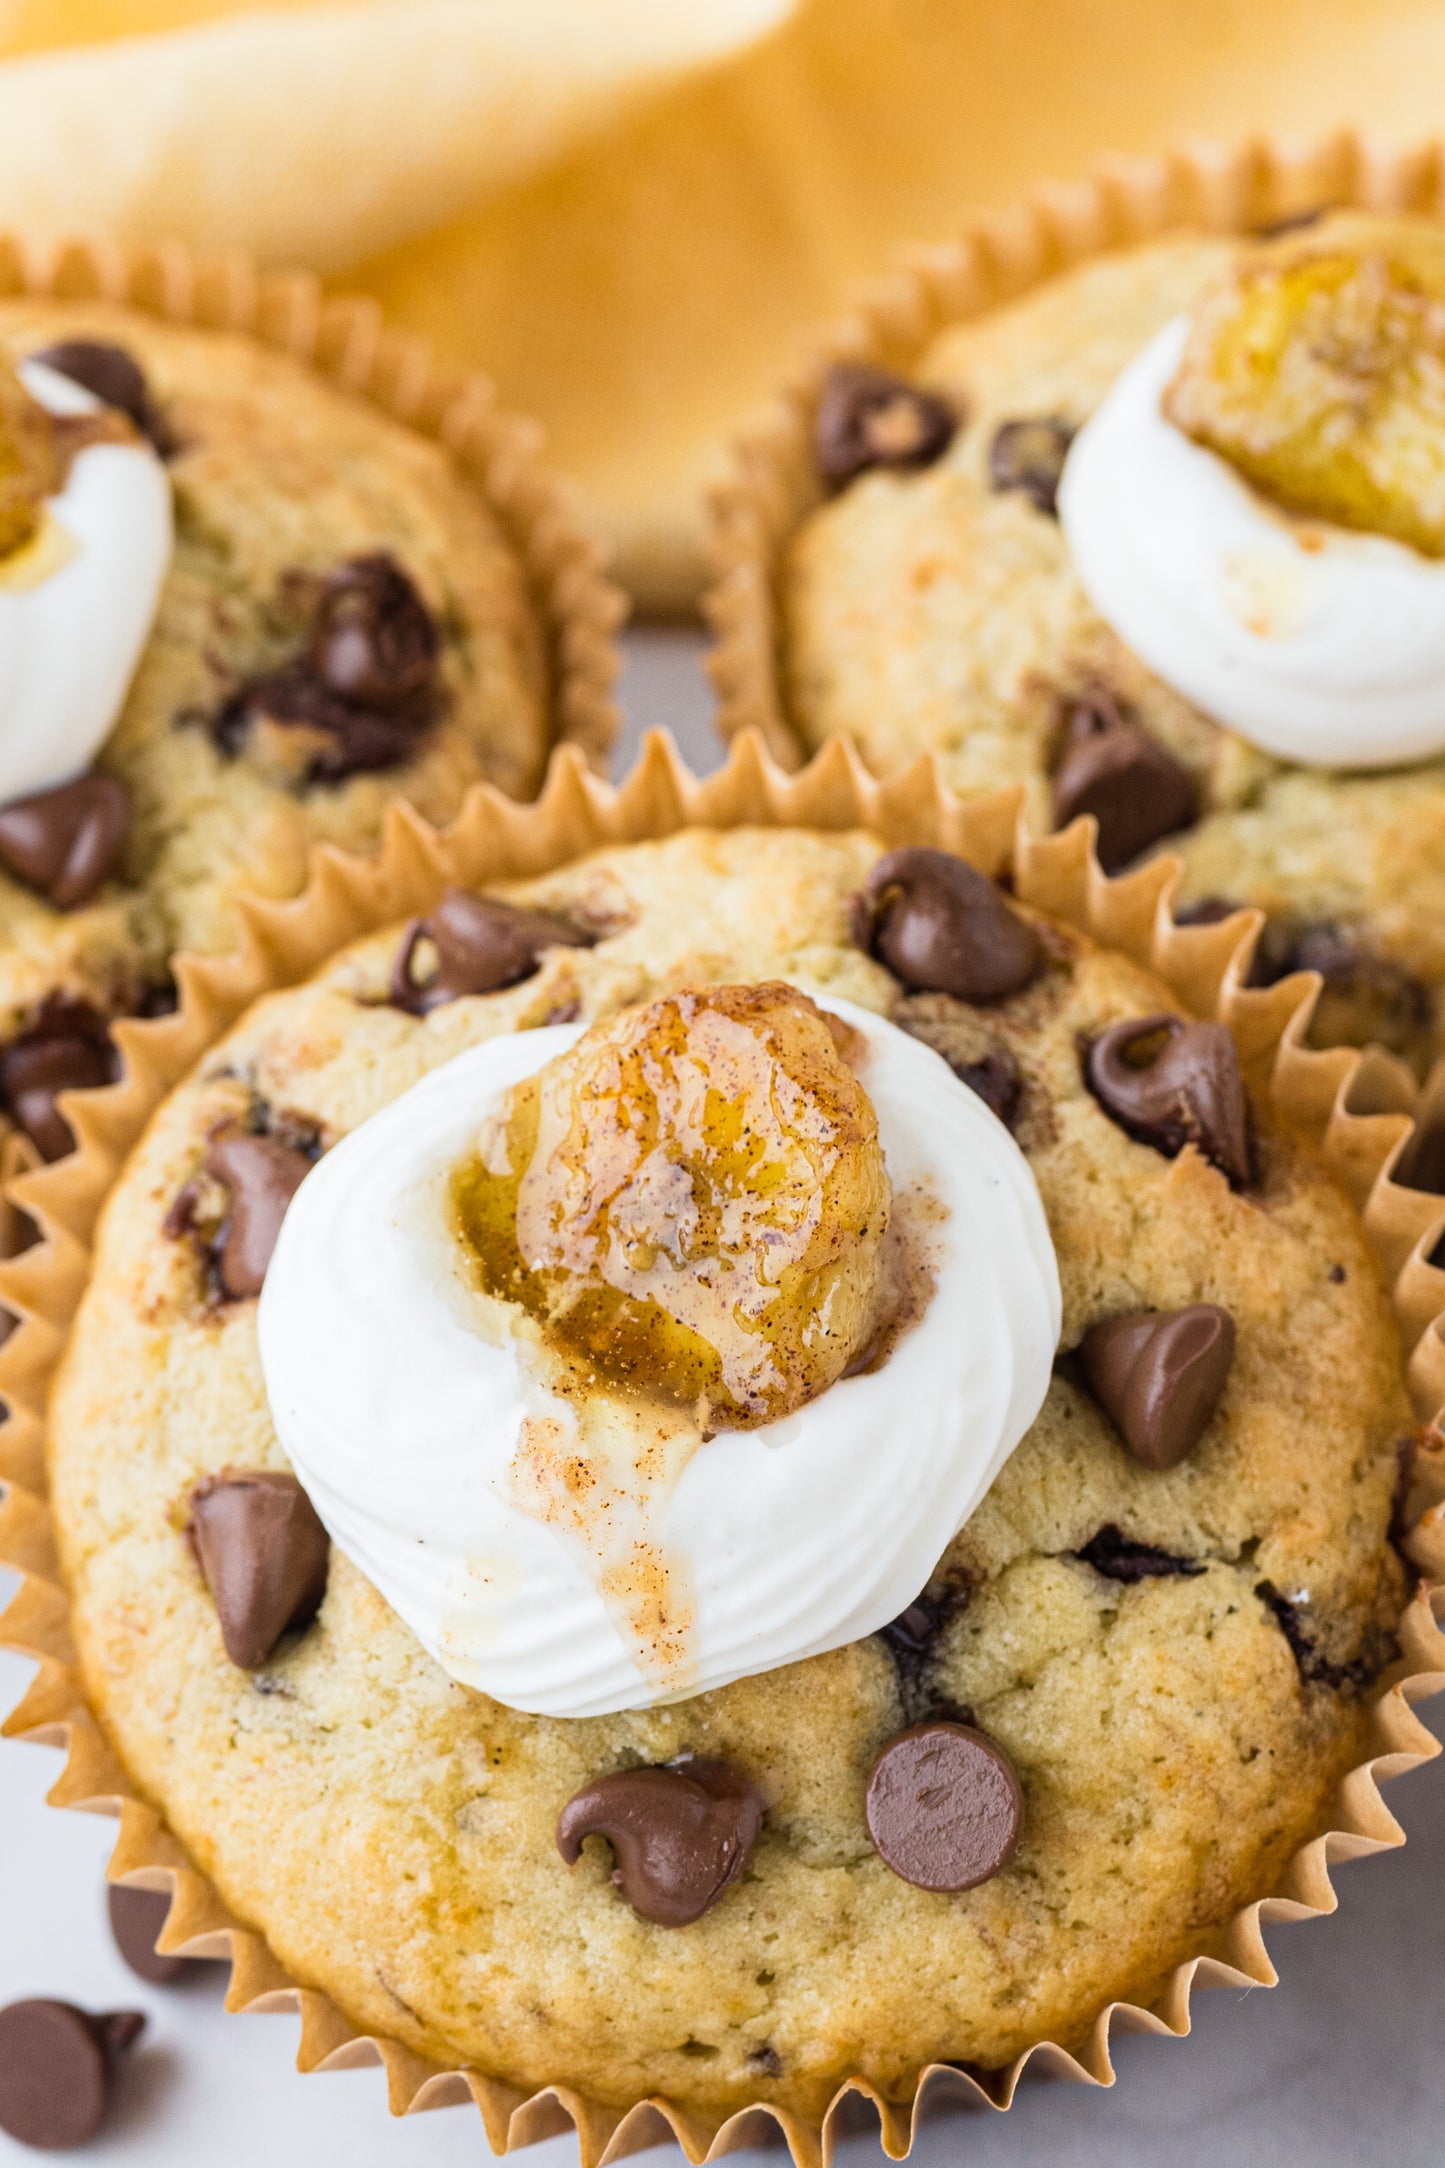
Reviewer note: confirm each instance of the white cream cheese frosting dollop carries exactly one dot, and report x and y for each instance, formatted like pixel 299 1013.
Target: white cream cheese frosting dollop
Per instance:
pixel 1317 643
pixel 404 1422
pixel 77 602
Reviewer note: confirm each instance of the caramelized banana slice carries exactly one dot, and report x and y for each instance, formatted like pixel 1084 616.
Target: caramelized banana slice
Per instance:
pixel 1318 370
pixel 693 1201
pixel 28 472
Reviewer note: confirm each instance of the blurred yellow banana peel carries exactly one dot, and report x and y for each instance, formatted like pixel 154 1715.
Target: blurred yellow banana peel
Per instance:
pixel 632 212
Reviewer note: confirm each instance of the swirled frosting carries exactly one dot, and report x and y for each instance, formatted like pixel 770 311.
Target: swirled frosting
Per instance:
pixel 418 1427
pixel 1318 643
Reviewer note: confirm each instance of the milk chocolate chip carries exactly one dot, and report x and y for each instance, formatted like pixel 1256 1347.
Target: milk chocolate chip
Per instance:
pixel 944 1807
pixel 263 1175
pixel 63 842
pixel 1029 456
pixel 868 417
pixel 1160 1375
pixel 1169 1083
pixel 114 377
pixel 481 945
pixel 264 1554
pixel 1136 791
pixel 67 1048
pixel 940 927
pixel 58 2069
pixel 680 1835
pixel 137 1917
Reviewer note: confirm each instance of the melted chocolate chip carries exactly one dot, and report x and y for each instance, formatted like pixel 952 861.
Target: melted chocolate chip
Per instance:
pixel 1188 1091
pixel 366 683
pixel 680 1835
pixel 996 1080
pixel 1160 1375
pixel 912 1638
pixel 868 417
pixel 1365 996
pixel 940 927
pixel 1029 456
pixel 1112 1553
pixel 67 1048
pixel 1314 1667
pixel 114 377
pixel 481 943
pixel 1136 791
pixel 263 1175
pixel 944 1807
pixel 137 1917
pixel 63 842
pixel 58 2068
pixel 264 1555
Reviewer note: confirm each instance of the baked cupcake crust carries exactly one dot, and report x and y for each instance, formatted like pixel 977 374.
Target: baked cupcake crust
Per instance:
pixel 275 473
pixel 935 611
pixel 391 1834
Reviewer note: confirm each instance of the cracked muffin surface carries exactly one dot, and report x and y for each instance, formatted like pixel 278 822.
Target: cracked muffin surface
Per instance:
pixel 938 609
pixel 1175 1661
pixel 292 499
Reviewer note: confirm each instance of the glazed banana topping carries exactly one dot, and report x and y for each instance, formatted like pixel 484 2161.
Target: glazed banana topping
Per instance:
pixel 1258 506
pixel 630 1360
pixel 85 545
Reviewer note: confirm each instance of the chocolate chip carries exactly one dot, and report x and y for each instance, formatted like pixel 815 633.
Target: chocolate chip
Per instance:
pixel 1112 1553
pixel 765 2061
pixel 944 1807
pixel 263 1175
pixel 481 944
pixel 868 417
pixel 136 1919
pixel 1136 791
pixel 940 927
pixel 114 377
pixel 365 686
pixel 63 842
pixel 1188 1091
pixel 1029 456
pixel 996 1081
pixel 57 2070
pixel 1314 1667
pixel 1365 996
pixel 264 1554
pixel 680 1835
pixel 67 1048
pixel 1160 1374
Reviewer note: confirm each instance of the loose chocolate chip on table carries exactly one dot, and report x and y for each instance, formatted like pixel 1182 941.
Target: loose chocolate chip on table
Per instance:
pixel 1160 1375
pixel 944 1807
pixel 263 1175
pixel 264 1555
pixel 680 1835
pixel 67 1048
pixel 1113 1554
pixel 868 417
pixel 1187 1090
pixel 481 945
pixel 1136 791
pixel 114 377
pixel 940 927
pixel 1029 456
pixel 58 2069
pixel 136 1919
pixel 63 842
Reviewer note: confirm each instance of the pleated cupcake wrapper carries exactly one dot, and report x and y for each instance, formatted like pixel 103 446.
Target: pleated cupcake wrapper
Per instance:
pixel 1355 1108
pixel 774 483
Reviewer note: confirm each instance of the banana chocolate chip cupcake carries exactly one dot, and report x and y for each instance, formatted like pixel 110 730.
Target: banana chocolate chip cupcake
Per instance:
pixel 739 1464
pixel 240 612
pixel 1164 540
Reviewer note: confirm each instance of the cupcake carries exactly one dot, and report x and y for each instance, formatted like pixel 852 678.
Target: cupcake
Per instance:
pixel 242 611
pixel 740 1463
pixel 1158 539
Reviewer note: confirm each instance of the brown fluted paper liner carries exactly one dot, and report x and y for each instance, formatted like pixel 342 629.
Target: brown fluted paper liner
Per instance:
pixel 774 482
pixel 1349 1105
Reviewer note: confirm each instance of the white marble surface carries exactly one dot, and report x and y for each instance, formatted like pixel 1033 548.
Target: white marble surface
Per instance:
pixel 1343 2063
